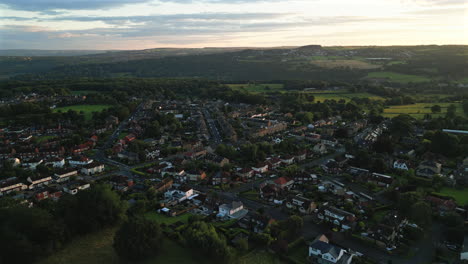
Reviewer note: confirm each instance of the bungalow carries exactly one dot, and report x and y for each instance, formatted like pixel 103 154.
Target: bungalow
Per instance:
pixel 387 232
pixel 38 181
pixel 65 174
pixel 179 195
pixel 306 178
pixel 429 169
pixel 301 204
pixel 256 222
pixel 74 187
pixel 47 193
pixel 11 185
pixel 401 165
pixel 261 168
pixel 321 251
pixel 92 168
pixel 343 219
pixel 195 176
pixel 234 210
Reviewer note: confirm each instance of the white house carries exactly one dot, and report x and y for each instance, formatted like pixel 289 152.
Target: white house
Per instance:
pixel 74 187
pixel 65 175
pixel 401 165
pixel 232 210
pixel 56 162
pixel 32 164
pixel 180 195
pixel 38 181
pixel 93 168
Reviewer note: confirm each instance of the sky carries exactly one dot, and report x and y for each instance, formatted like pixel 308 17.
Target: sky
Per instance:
pixel 143 24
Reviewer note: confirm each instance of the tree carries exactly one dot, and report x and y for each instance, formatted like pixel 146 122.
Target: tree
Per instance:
pixel 92 209
pixel 451 111
pixel 138 238
pixel 421 214
pixel 436 109
pixel 27 234
pixel 402 125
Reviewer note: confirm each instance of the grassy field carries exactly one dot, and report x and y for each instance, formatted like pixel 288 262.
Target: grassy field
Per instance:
pixel 460 195
pixel 353 64
pixel 398 77
pixel 419 110
pixel 43 139
pixel 87 109
pixel 321 96
pixel 83 92
pixel 258 88
pixel 97 249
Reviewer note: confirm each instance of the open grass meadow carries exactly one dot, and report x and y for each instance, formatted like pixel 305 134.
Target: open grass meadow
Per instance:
pixel 398 77
pixel 352 64
pixel 419 110
pixel 86 109
pixel 460 195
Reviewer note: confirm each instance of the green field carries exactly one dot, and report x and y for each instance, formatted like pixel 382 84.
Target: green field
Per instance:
pixel 258 88
pixel 419 110
pixel 43 139
pixel 87 109
pixel 322 96
pixel 460 195
pixel 398 77
pixel 83 92
pixel 259 257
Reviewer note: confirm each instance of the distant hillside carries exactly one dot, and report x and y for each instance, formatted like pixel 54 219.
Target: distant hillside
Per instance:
pixel 26 52
pixel 397 64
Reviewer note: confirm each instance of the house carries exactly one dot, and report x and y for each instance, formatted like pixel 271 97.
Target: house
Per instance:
pixel 428 169
pixel 381 180
pixel 269 191
pixel 32 163
pixel 217 160
pixel 195 176
pixel 47 193
pixel 74 187
pixel 234 209
pixel 121 183
pixel 180 194
pixel 301 156
pixel 261 168
pixel 321 251
pixel 11 185
pixel 387 232
pixel 306 178
pixel 342 219
pixel 221 177
pixel 245 173
pixel 93 168
pixel 441 205
pixel 284 182
pixel 129 156
pixel 164 185
pixel 301 204
pixel 401 165
pixel 38 181
pixel 79 161
pixel 274 163
pixel 56 162
pixel 65 174
pixel 256 222
pixel 320 149
pixel 288 160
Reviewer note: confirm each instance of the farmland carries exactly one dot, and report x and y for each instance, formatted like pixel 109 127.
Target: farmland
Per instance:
pixel 419 110
pixel 86 109
pixel 352 64
pixel 397 77
pixel 258 88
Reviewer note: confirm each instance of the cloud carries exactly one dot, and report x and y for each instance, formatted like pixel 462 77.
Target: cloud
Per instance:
pixel 46 5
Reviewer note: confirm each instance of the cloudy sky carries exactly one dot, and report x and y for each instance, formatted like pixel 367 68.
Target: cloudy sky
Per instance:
pixel 140 24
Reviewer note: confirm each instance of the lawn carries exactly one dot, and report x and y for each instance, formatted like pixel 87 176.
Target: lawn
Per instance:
pixel 419 110
pixel 460 195
pixel 87 109
pixel 160 218
pixel 42 139
pixel 398 77
pixel 258 88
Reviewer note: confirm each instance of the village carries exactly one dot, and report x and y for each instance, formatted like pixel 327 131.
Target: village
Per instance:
pixel 244 167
